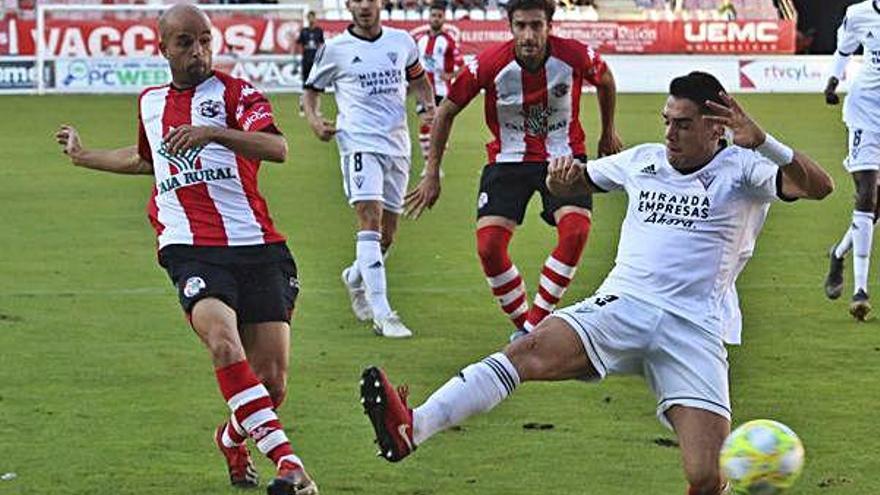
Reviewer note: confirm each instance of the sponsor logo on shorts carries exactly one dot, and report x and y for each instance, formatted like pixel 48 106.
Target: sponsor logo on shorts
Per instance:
pixel 359 181
pixel 482 200
pixel 193 286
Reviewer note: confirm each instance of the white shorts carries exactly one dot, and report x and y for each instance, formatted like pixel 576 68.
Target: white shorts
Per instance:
pixel 864 151
pixel 682 363
pixel 370 176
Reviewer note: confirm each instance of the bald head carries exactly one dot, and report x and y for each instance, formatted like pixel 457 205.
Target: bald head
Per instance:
pixel 185 40
pixel 187 17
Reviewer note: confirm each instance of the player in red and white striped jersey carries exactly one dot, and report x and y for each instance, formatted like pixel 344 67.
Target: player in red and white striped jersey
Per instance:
pixel 532 90
pixel 202 137
pixel 440 59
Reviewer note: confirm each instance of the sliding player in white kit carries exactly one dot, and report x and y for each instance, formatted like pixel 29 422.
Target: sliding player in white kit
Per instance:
pixel 669 305
pixel 369 66
pixel 861 113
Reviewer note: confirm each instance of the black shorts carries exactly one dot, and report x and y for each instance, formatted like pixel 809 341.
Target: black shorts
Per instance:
pixel 307 64
pixel 506 188
pixel 258 282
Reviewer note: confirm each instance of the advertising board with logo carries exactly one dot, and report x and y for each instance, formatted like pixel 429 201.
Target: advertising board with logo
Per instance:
pixel 110 75
pixel 790 74
pixel 252 35
pixel 17 75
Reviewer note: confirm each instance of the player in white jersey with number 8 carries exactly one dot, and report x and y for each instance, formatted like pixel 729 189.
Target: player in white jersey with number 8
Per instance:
pixel 369 67
pixel 861 113
pixel 669 305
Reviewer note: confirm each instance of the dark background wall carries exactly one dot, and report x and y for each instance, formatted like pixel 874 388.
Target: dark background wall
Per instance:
pixel 820 19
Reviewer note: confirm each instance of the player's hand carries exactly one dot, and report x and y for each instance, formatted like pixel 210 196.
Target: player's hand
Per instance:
pixel 563 175
pixel 831 97
pixel 185 137
pixel 68 138
pixel 423 196
pixel 610 143
pixel 746 132
pixel 324 129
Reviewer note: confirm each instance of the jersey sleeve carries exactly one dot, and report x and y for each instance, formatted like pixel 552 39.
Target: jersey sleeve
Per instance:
pixel 324 71
pixel 320 36
pixel 451 57
pixel 595 67
pixel 466 86
pixel 144 150
pixel 253 112
pixel 300 39
pixel 414 69
pixel 848 39
pixel 762 179
pixel 609 173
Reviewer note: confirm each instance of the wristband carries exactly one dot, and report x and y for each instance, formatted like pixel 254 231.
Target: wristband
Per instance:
pixel 775 151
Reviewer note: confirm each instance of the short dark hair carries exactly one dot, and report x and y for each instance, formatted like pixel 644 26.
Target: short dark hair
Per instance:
pixel 548 6
pixel 438 6
pixel 698 87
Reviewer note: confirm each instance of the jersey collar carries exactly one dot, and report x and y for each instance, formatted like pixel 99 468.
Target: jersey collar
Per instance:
pixel 368 40
pixel 724 147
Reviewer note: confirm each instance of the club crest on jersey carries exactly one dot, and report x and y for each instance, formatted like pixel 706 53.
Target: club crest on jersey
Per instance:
pixel 184 160
pixel 193 286
pixel 392 57
pixel 560 90
pixel 210 108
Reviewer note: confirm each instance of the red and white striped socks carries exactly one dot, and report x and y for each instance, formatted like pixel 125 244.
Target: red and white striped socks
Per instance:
pixel 253 415
pixel 503 277
pixel 573 230
pixel 425 140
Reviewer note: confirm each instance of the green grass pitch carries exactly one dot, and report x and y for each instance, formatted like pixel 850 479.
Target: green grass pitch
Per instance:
pixel 105 390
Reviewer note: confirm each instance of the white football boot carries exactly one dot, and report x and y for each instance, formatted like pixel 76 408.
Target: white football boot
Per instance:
pixel 358 295
pixel 391 327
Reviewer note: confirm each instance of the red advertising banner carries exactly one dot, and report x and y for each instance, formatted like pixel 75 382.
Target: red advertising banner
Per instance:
pixel 246 35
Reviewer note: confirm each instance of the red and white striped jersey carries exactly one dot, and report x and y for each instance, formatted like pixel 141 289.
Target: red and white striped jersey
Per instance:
pixel 206 196
pixel 439 54
pixel 533 116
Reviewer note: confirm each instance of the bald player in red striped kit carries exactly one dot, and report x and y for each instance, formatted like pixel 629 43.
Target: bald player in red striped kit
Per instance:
pixel 203 137
pixel 532 90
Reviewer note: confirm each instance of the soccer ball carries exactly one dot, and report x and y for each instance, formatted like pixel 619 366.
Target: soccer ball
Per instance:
pixel 762 457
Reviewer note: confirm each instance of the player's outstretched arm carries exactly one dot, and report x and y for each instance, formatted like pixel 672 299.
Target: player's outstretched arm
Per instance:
pixel 567 177
pixel 324 129
pixel 428 191
pixel 425 96
pixel 606 92
pixel 802 177
pixel 260 145
pixel 121 161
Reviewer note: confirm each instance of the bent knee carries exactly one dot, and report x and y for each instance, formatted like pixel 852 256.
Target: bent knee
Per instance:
pixel 705 482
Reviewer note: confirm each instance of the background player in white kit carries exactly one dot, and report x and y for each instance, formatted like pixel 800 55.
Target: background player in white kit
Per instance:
pixel 696 206
pixel 369 66
pixel 861 113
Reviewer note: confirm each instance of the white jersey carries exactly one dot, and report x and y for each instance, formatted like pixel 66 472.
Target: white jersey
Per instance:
pixel 369 78
pixel 686 237
pixel 861 26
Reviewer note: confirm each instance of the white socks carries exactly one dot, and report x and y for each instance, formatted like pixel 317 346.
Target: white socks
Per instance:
pixel 371 266
pixel 862 234
pixel 844 245
pixel 477 388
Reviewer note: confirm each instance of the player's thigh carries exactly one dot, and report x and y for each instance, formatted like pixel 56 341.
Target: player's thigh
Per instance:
pixel 363 179
pixel 395 179
pixel 701 434
pixel 505 190
pixel 268 291
pixel 614 331
pixel 687 367
pixel 551 352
